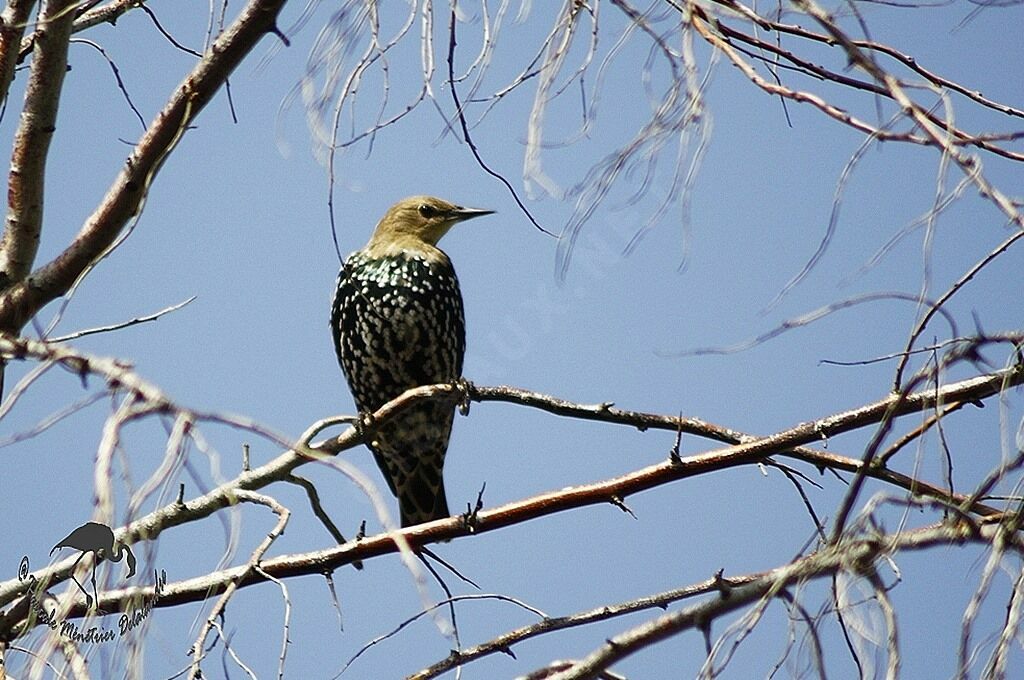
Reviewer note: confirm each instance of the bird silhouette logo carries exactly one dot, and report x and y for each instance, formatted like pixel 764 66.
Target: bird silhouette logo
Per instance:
pixel 98 539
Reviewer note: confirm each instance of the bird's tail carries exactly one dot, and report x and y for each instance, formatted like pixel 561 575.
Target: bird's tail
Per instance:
pixel 421 498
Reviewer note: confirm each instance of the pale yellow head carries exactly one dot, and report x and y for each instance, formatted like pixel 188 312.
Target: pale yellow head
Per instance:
pixel 417 223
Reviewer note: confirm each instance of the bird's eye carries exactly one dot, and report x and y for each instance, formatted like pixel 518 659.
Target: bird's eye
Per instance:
pixel 427 211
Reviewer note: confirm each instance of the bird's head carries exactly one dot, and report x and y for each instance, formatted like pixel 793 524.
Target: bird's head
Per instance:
pixel 419 220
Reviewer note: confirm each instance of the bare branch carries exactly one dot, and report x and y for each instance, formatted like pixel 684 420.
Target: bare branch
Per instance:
pixel 126 196
pixel 503 643
pixel 938 305
pixel 117 76
pixel 252 566
pixel 123 324
pixel 853 555
pixel 453 84
pixel 25 182
pixel 95 15
pixel 13 21
pixel 176 514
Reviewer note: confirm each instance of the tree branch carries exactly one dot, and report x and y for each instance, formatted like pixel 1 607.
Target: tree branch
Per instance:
pixel 754 450
pixel 27 177
pixel 103 14
pixel 855 556
pixel 125 198
pixel 12 27
pixel 550 624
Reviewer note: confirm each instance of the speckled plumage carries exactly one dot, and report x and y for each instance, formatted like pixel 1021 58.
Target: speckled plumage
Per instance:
pixel 398 322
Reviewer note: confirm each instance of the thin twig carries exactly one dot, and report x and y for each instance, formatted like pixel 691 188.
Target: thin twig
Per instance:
pixel 124 324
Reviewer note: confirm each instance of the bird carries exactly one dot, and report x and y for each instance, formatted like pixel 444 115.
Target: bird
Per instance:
pixel 398 322
pixel 98 539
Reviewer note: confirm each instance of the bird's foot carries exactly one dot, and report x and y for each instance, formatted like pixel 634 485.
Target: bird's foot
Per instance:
pixel 470 518
pixel 467 391
pixel 365 425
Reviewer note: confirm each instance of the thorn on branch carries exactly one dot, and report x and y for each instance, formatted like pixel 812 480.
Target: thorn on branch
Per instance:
pixel 673 454
pixel 507 651
pixel 722 584
pixel 361 534
pixel 180 500
pixel 274 30
pixel 621 505
pixel 329 578
pixel 245 458
pixel 83 373
pixel 705 629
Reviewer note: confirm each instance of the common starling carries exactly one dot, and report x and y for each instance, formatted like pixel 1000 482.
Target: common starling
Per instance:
pixel 398 323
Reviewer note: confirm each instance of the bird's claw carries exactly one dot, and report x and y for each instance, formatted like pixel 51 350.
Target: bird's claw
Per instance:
pixel 467 390
pixel 365 424
pixel 470 518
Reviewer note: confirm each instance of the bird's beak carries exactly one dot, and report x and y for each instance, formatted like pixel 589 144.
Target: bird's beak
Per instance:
pixel 461 214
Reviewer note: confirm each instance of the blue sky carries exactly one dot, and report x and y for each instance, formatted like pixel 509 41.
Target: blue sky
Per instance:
pixel 238 218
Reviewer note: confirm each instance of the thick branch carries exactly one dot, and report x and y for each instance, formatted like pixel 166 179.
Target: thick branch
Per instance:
pixel 27 177
pixel 788 442
pixel 644 421
pixel 125 197
pixel 12 27
pixel 606 491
